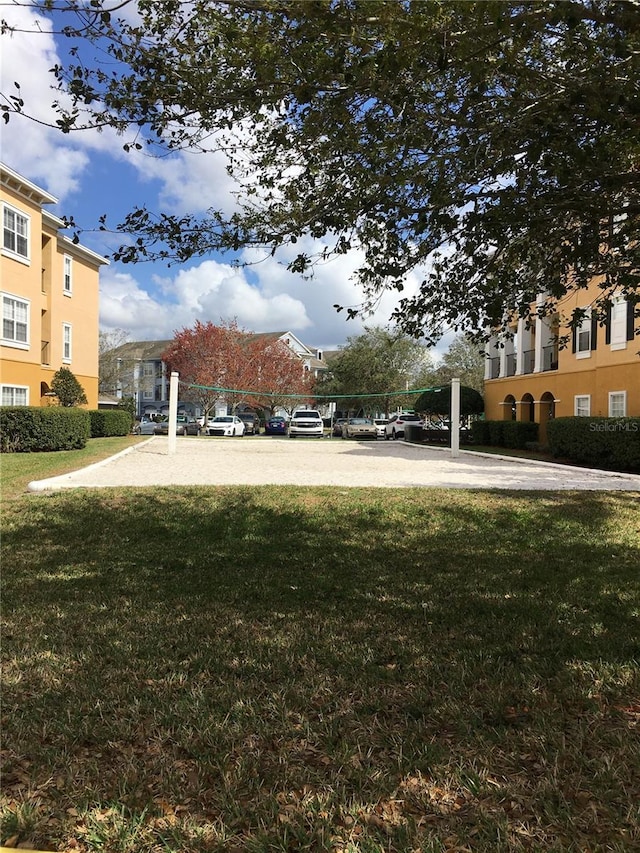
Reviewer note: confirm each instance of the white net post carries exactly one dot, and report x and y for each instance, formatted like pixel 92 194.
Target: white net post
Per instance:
pixel 455 418
pixel 173 411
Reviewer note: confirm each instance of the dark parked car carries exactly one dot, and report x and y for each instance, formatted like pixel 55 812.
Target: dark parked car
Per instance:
pixel 276 426
pixel 337 426
pixel 251 423
pixel 184 426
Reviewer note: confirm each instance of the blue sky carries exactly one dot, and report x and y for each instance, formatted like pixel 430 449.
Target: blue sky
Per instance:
pixel 91 175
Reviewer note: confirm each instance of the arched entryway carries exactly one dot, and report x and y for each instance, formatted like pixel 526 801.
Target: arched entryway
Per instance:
pixel 509 408
pixel 547 413
pixel 527 408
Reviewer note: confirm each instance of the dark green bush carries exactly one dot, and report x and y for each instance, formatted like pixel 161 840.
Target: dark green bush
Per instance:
pixel 514 434
pixel 496 432
pixel 437 401
pixel 480 432
pixel 612 443
pixel 106 422
pixel 28 429
pixel 517 434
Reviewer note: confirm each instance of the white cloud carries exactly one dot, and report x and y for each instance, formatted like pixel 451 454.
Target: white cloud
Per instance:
pixel 261 297
pixel 29 147
pixel 209 291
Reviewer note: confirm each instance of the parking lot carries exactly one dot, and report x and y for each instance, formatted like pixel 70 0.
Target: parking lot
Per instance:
pixel 326 462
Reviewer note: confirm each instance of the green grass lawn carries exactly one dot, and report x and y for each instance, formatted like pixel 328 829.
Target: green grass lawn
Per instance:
pixel 317 669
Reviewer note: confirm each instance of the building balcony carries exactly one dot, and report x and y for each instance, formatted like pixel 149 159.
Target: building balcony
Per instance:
pixel 550 357
pixel 495 368
pixel 528 361
pixel 44 353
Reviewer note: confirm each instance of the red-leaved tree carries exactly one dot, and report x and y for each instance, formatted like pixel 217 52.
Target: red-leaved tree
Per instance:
pixel 210 358
pixel 281 377
pixel 225 362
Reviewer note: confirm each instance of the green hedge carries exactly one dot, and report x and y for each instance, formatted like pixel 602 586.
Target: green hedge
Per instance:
pixel 28 429
pixel 480 432
pixel 513 434
pixel 611 443
pixel 517 434
pixel 106 422
pixel 496 433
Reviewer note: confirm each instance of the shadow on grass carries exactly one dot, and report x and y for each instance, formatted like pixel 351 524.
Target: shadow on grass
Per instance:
pixel 227 647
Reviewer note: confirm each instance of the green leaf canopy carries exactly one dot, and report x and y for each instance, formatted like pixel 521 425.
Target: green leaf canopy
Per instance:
pixel 492 146
pixel 437 401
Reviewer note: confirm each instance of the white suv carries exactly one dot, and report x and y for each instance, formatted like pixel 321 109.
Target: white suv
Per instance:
pixel 306 422
pixel 395 428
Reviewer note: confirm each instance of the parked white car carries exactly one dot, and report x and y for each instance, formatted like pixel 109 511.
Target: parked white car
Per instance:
pixel 306 422
pixel 225 425
pixel 395 428
pixel 380 425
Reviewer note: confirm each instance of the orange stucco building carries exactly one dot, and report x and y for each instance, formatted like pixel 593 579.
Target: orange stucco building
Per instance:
pixel 530 377
pixel 49 288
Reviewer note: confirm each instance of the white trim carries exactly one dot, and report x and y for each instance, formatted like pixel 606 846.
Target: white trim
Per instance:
pixel 6 250
pixel 18 183
pixel 66 359
pixel 67 245
pixel 67 262
pixel 12 342
pixel 622 394
pixel 618 323
pixel 14 388
pixel 576 400
pixel 584 329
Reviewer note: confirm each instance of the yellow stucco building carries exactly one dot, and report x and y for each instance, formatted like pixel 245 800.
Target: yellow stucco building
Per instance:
pixel 530 377
pixel 50 292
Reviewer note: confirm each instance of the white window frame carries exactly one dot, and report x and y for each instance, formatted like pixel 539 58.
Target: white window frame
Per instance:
pixel 622 395
pixel 13 341
pixel 16 233
pixel 67 343
pixel 584 329
pixel 67 275
pixel 14 388
pixel 580 403
pixel 147 395
pixel 618 323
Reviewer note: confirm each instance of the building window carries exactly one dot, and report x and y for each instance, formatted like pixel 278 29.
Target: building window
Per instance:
pixel 66 342
pixel 148 369
pixel 15 395
pixel 619 323
pixel 583 337
pixel 582 406
pixel 617 404
pixel 68 278
pixel 15 237
pixel 585 334
pixel 15 321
